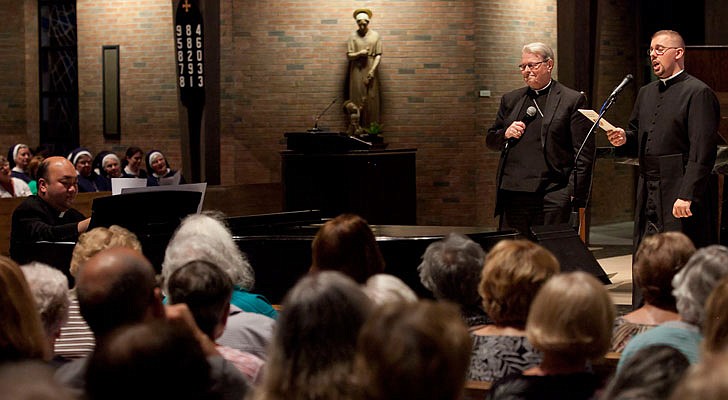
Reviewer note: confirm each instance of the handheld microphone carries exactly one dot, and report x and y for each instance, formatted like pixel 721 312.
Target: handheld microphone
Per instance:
pixel 530 116
pixel 627 79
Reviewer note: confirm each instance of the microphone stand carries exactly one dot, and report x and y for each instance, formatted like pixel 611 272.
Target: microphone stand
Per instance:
pixel 574 221
pixel 315 128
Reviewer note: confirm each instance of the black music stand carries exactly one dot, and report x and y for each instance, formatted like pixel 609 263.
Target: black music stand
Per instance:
pixel 152 216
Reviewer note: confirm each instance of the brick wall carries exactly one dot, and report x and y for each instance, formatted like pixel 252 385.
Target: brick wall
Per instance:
pixel 148 108
pixel 502 28
pixel 282 62
pixel 617 57
pixel 12 65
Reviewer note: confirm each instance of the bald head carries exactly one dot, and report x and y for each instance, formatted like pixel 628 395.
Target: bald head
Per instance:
pixel 57 182
pixel 117 287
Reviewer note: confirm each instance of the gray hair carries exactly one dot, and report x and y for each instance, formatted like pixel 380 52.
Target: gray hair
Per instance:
pixel 384 289
pixel 50 291
pixel 451 269
pixel 541 49
pixel 206 237
pixel 694 283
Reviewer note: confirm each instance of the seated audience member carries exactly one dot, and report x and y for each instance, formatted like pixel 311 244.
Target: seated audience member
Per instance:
pixel 692 286
pixel 384 289
pixel 657 260
pixel 158 168
pixel 715 327
pixel 50 290
pixel 705 380
pixel 651 375
pixel 347 244
pixel 117 287
pixel 48 216
pixel 88 179
pixel 206 237
pixel 31 380
pixel 206 291
pixel 313 348
pixel 132 163
pixel 451 269
pixel 570 322
pixel 21 330
pixel 76 339
pixel 108 165
pixel 513 273
pixel 413 351
pixel 152 360
pixel 33 172
pixel 19 157
pixel 11 186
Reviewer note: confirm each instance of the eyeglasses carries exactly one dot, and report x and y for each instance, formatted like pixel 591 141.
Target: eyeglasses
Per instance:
pixel 660 50
pixel 531 66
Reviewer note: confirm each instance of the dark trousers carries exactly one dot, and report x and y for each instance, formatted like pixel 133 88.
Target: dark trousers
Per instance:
pixel 522 210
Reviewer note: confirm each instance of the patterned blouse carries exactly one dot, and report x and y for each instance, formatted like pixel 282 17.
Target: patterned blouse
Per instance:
pixel 623 331
pixel 494 357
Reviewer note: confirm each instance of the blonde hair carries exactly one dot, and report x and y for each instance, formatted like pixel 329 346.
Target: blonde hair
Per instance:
pixel 21 332
pixel 514 270
pixel 97 239
pixel 384 289
pixel 572 315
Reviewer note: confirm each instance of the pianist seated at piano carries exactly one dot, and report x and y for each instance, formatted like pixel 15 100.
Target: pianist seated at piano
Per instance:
pixel 206 237
pixel 49 216
pixel 347 244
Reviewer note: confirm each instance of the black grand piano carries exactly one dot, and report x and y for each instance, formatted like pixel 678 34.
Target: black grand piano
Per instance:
pixel 279 247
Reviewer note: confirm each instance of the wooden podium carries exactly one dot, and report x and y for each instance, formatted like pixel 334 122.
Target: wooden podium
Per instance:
pixel 379 185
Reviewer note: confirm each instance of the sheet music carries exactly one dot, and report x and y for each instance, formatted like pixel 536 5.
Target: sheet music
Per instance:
pixel 593 115
pixel 189 187
pixel 119 184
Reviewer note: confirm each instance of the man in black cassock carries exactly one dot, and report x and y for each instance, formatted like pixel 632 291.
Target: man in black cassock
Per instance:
pixel 535 179
pixel 674 130
pixel 48 216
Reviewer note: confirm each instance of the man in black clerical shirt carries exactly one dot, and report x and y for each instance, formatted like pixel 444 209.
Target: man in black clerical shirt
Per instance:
pixel 674 132
pixel 535 180
pixel 48 216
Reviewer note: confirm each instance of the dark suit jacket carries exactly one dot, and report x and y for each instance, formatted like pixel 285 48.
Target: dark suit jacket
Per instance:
pixel 563 130
pixel 35 220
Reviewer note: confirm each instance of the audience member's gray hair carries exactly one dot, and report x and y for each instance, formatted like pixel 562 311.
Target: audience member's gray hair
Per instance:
pixel 541 49
pixel 384 289
pixel 205 237
pixel 451 269
pixel 50 291
pixel 694 283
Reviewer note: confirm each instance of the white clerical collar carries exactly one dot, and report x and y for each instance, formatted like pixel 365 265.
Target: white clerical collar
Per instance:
pixel 543 89
pixel 676 74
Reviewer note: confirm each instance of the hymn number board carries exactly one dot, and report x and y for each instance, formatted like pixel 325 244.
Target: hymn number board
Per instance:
pixel 189 35
pixel 190 55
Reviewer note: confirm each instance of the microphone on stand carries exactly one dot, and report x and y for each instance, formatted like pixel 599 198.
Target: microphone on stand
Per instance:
pixel 315 128
pixel 627 79
pixel 530 116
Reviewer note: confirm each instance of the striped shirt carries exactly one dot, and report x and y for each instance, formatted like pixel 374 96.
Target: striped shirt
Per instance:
pixel 76 338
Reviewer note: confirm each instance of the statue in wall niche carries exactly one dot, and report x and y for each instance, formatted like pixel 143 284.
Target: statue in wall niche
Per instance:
pixel 364 51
